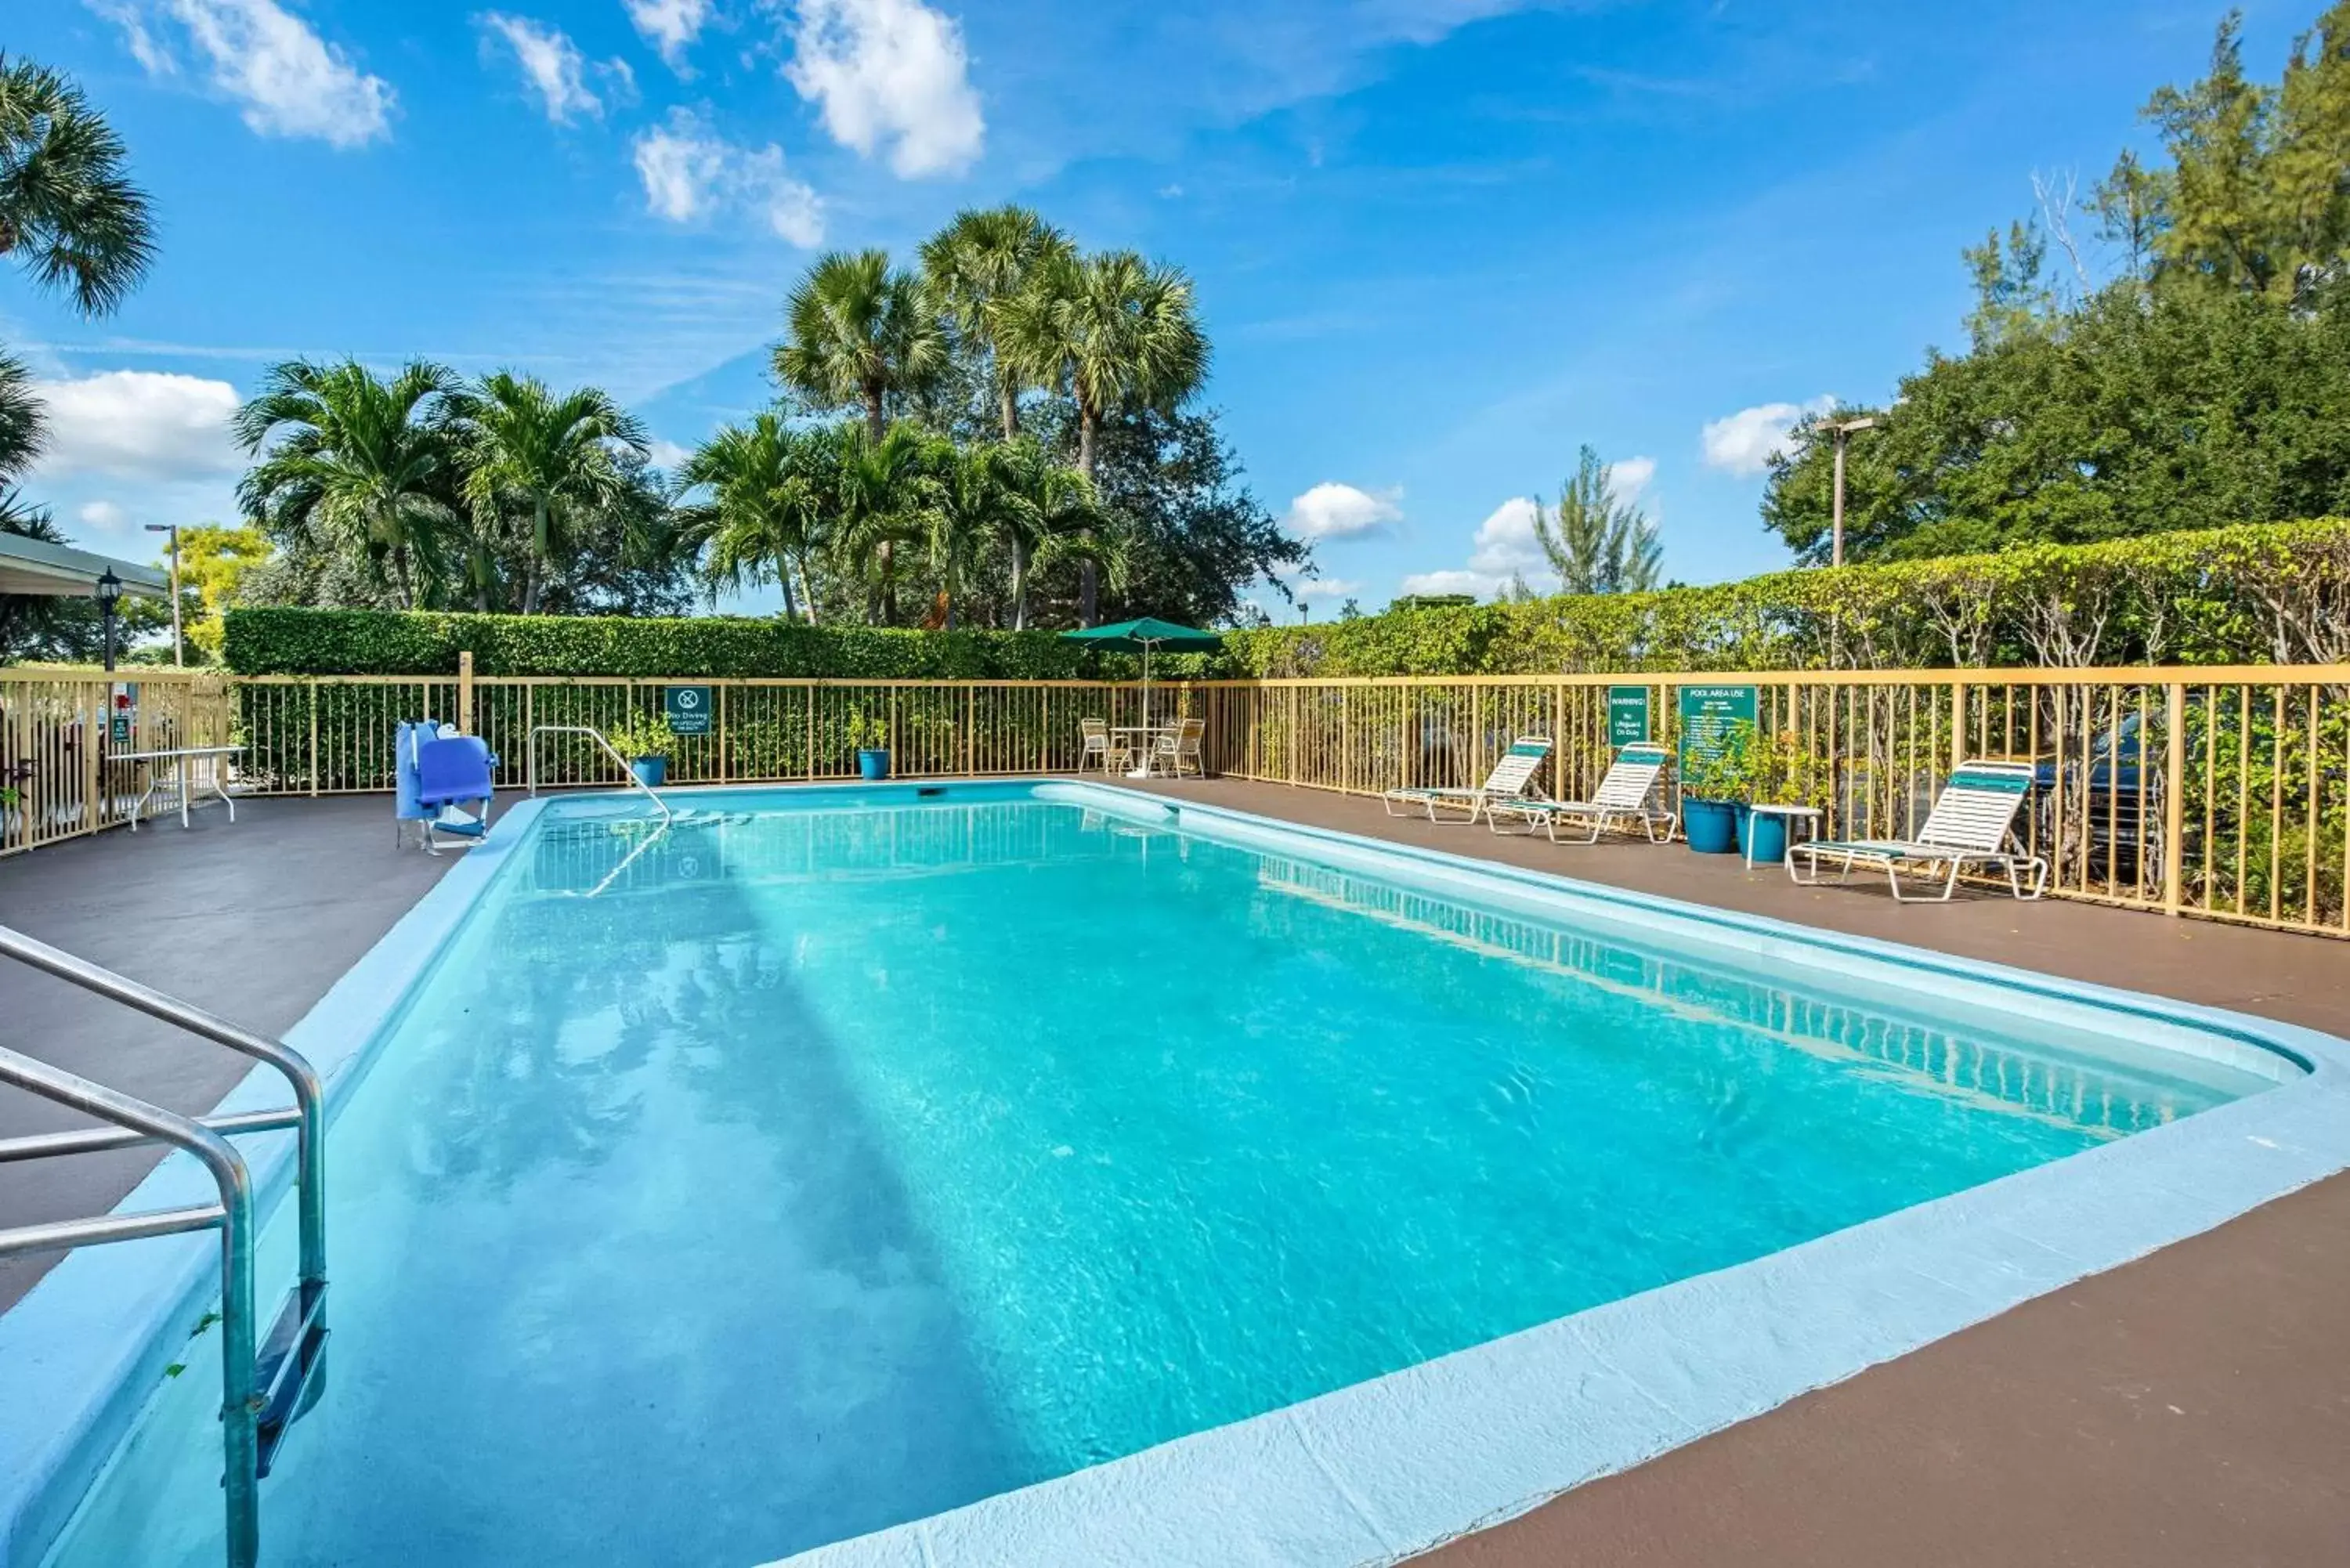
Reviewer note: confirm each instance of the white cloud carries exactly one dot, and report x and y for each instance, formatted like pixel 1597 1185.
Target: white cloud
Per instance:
pixel 1631 476
pixel 1334 511
pixel 1745 443
pixel 291 81
pixel 551 63
pixel 1326 591
pixel 103 516
pixel 137 424
pixel 1450 582
pixel 1505 547
pixel 670 26
pixel 668 453
pixel 888 72
pixel 692 173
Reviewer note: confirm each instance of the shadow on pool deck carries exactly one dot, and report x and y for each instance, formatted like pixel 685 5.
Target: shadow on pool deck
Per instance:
pixel 2192 1409
pixel 2189 1410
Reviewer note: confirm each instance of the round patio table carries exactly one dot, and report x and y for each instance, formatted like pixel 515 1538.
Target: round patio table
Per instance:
pixel 1807 814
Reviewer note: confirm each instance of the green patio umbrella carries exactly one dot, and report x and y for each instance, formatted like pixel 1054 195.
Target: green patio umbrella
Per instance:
pixel 1149 635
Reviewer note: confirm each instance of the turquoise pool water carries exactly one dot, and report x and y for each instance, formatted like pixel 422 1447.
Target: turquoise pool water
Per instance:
pixel 835 1165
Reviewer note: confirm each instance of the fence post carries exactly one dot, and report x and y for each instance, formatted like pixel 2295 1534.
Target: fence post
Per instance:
pixel 466 692
pixel 1957 723
pixel 2174 795
pixel 970 729
pixel 724 763
pixel 313 689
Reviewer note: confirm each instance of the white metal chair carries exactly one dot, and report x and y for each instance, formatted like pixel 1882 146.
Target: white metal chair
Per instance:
pixel 1969 826
pixel 1100 743
pixel 1622 798
pixel 1512 776
pixel 1177 751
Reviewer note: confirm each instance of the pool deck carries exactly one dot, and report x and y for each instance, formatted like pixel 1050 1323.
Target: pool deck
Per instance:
pixel 2189 1408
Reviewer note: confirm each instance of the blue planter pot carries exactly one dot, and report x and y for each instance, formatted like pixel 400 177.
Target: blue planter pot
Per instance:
pixel 1762 840
pixel 651 771
pixel 1711 825
pixel 872 765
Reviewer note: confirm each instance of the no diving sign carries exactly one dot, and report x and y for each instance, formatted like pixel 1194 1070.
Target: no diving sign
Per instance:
pixel 687 707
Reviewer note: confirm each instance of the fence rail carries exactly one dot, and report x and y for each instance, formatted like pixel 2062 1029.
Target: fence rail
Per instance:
pixel 2222 793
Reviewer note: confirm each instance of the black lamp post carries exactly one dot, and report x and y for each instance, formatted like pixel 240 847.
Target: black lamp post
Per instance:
pixel 109 589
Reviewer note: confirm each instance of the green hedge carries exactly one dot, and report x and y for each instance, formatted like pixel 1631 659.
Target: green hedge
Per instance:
pixel 2268 592
pixel 288 641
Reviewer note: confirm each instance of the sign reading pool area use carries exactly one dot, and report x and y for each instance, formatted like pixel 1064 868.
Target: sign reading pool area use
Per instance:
pixel 687 708
pixel 1627 715
pixel 1707 713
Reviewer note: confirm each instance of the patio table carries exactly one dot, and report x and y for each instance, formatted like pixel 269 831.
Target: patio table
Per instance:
pixel 1149 734
pixel 183 759
pixel 1807 814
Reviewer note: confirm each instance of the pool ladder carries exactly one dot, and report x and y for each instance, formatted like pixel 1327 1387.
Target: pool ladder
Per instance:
pixel 264 1389
pixel 610 750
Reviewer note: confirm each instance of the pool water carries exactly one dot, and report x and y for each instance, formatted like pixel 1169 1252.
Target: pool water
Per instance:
pixel 833 1166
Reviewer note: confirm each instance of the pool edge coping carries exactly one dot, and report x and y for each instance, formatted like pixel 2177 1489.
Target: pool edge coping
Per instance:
pixel 1318 1477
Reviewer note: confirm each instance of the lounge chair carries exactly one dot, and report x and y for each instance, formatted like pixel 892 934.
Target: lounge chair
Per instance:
pixel 1512 778
pixel 1969 826
pixel 1177 751
pixel 452 774
pixel 1622 798
pixel 1099 743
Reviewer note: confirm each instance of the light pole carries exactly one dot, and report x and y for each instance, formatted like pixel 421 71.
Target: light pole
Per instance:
pixel 173 530
pixel 1835 546
pixel 109 589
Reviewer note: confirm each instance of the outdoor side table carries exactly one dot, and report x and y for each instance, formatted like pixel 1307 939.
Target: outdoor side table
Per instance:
pixel 1807 814
pixel 177 781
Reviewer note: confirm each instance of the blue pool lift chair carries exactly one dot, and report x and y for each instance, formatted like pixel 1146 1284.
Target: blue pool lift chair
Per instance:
pixel 455 786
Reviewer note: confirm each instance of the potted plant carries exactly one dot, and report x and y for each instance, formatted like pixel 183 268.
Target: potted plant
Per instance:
pixel 869 734
pixel 1781 769
pixel 647 742
pixel 1713 787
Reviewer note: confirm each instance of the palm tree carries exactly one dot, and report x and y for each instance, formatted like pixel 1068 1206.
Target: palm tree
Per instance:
pixel 861 333
pixel 1118 332
pixel 773 491
pixel 69 211
pixel 355 461
pixel 24 425
pixel 973 497
pixel 883 497
pixel 977 263
pixel 1055 502
pixel 551 457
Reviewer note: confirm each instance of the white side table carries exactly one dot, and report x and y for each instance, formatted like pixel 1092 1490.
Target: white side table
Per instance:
pixel 1809 815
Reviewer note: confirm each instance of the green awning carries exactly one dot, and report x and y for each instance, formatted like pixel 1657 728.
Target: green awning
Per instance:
pixel 1149 636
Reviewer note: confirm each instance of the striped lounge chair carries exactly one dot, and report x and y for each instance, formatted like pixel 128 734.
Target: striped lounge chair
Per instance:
pixel 1970 824
pixel 1621 799
pixel 1512 779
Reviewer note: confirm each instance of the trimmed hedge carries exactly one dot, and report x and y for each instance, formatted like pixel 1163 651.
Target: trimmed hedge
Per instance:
pixel 2255 593
pixel 276 640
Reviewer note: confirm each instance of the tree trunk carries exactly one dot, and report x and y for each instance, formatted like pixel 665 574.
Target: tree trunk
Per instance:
pixel 808 590
pixel 875 427
pixel 791 605
pixel 888 584
pixel 1019 584
pixel 1008 401
pixel 399 570
pixel 1088 571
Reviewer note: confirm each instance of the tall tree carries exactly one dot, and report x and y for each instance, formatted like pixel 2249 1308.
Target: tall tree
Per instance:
pixel 550 463
pixel 1054 503
pixel 860 333
pixel 971 500
pixel 1596 540
pixel 883 496
pixel 975 266
pixel 1119 333
pixel 24 424
pixel 354 461
pixel 69 211
pixel 772 494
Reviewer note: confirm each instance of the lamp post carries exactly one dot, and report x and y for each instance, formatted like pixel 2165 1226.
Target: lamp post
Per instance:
pixel 1836 545
pixel 109 590
pixel 178 656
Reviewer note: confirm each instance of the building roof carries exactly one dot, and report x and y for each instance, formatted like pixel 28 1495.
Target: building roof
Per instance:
pixel 36 566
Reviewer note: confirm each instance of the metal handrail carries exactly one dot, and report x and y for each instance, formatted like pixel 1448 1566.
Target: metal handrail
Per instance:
pixel 610 750
pixel 246 1409
pixel 241 1403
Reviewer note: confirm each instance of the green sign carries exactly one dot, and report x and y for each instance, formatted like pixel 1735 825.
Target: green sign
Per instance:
pixel 1627 715
pixel 1707 713
pixel 687 707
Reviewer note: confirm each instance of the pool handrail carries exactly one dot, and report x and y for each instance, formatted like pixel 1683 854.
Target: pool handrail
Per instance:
pixel 627 773
pixel 297 1338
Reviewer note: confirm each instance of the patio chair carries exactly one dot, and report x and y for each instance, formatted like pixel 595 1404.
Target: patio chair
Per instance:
pixel 1177 751
pixel 1099 743
pixel 452 774
pixel 1969 826
pixel 1512 778
pixel 1622 798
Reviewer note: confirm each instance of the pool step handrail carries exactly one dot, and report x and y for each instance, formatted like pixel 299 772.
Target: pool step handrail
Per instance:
pixel 610 750
pixel 264 1390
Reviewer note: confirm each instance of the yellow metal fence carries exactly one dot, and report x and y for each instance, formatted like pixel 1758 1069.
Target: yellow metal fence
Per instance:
pixel 2222 792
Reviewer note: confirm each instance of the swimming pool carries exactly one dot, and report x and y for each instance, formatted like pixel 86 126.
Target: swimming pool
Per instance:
pixel 840 1158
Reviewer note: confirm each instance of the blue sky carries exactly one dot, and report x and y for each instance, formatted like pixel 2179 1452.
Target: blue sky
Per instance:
pixel 1436 245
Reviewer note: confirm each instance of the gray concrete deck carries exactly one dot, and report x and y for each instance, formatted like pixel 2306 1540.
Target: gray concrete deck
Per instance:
pixel 2192 1409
